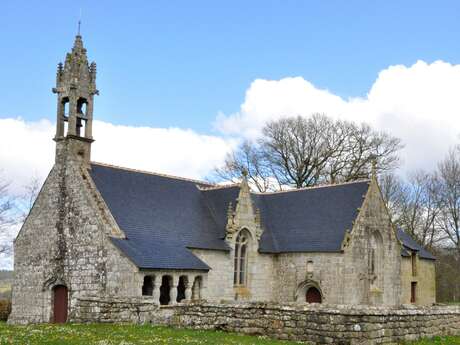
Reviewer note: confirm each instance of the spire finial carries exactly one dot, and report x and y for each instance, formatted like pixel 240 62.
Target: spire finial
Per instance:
pixel 245 173
pixel 374 165
pixel 79 23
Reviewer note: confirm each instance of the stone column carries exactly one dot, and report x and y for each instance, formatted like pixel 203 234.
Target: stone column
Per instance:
pixel 188 288
pixel 156 290
pixel 173 291
pixel 72 122
pixel 89 121
pixel 60 119
pixel 204 286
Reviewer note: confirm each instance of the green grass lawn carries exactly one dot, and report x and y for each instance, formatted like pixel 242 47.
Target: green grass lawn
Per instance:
pixel 106 334
pixel 438 341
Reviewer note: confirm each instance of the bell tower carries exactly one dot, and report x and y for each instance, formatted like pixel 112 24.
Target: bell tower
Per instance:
pixel 75 89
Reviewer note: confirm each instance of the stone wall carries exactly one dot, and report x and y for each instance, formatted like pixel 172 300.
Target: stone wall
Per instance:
pixel 291 273
pixel 114 310
pixel 372 236
pixel 322 324
pixel 424 277
pixel 65 241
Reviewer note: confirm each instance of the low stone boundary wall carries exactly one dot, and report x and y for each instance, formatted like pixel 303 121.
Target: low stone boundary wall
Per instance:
pixel 114 310
pixel 322 324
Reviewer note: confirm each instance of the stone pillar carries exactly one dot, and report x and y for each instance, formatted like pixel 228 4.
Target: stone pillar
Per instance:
pixel 188 288
pixel 203 286
pixel 60 119
pixel 89 121
pixel 156 290
pixel 173 291
pixel 72 126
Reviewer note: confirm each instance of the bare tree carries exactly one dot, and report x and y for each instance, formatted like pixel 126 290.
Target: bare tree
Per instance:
pixel 449 181
pixel 357 147
pixel 298 149
pixel 249 158
pixel 26 200
pixel 394 191
pixel 420 208
pixel 414 205
pixel 6 218
pixel 14 209
pixel 301 152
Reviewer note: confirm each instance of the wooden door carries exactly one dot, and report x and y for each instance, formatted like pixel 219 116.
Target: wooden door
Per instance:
pixel 60 301
pixel 313 295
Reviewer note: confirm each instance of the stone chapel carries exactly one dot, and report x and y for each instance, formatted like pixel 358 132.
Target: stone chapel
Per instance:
pixel 102 230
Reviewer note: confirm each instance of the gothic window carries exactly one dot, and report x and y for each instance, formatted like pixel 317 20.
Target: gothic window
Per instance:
pixel 241 259
pixel 372 261
pixel 375 260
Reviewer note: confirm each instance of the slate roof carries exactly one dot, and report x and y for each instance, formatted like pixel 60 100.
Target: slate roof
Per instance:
pixel 160 216
pixel 310 219
pixel 410 244
pixel 163 217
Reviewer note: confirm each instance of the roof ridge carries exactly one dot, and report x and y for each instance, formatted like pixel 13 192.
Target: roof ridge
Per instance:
pixel 204 189
pixel 314 187
pixel 152 173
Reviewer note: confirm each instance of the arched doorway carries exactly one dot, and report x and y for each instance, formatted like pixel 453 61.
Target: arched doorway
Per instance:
pixel 313 295
pixel 60 303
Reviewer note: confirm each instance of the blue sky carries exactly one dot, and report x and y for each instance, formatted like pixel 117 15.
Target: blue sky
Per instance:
pixel 178 63
pixel 182 83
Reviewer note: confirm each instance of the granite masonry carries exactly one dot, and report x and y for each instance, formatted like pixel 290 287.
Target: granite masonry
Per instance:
pixel 111 244
pixel 321 324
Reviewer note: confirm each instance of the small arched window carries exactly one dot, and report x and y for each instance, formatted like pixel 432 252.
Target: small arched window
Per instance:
pixel 241 259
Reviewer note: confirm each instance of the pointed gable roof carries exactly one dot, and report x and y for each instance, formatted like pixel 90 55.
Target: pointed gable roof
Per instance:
pixel 160 216
pixel 163 217
pixel 310 219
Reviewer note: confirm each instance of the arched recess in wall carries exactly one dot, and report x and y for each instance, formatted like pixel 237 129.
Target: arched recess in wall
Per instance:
pixel 376 260
pixel 309 291
pixel 240 268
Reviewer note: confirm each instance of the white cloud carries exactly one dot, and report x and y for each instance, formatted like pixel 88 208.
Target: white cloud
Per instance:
pixel 420 104
pixel 27 150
